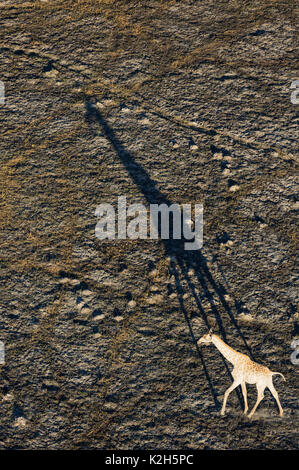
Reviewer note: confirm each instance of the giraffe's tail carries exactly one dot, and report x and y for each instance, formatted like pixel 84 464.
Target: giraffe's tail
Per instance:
pixel 278 373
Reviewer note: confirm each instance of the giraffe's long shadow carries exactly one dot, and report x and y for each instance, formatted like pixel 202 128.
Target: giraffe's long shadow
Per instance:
pixel 184 260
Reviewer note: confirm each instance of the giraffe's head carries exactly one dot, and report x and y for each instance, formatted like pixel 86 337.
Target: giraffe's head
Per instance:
pixel 206 339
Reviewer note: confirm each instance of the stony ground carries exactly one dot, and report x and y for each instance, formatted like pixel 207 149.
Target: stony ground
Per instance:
pixel 162 102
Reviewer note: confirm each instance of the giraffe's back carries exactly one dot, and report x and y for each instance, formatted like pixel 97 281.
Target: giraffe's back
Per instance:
pixel 254 372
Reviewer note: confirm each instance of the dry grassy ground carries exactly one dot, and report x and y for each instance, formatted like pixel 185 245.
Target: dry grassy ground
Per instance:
pixel 178 101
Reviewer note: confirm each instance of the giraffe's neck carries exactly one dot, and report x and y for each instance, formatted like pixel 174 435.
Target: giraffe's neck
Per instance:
pixel 230 354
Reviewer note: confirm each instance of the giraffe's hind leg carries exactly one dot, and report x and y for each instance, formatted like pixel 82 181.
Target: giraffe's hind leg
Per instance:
pixel 275 395
pixel 260 396
pixel 244 391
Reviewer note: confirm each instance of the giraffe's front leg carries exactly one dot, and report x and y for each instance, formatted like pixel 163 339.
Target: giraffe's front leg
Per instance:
pixel 230 389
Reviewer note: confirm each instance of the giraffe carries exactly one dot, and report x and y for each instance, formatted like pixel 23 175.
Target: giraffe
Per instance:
pixel 245 371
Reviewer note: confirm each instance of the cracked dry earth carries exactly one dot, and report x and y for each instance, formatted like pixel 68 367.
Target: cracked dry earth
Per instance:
pixel 185 102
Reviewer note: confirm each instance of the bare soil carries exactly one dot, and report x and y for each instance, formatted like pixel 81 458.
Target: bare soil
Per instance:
pixel 177 102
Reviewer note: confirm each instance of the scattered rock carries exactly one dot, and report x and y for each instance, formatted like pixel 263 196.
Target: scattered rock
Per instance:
pixel 234 188
pixel 194 147
pixel 87 293
pixel 154 288
pixel 155 299
pixel 8 397
pixel 86 311
pixel 81 305
pixel 153 273
pixel 20 422
pixel 246 317
pixel 174 144
pixel 119 318
pixel 192 144
pixel 98 316
pixel 217 156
